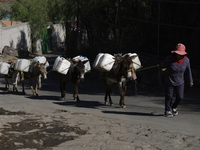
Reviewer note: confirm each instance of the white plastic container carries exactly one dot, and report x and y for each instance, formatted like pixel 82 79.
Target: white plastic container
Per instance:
pixel 63 66
pixel 77 58
pixel 136 60
pixel 106 62
pixel 96 61
pixel 4 68
pixel 22 65
pixel 41 60
pixel 56 62
pixel 87 64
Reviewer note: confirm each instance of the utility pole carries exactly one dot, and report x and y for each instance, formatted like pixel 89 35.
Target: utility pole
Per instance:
pixel 158 40
pixel 78 34
pixel 119 27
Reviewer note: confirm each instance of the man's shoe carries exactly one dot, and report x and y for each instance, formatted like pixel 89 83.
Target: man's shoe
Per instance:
pixel 174 111
pixel 168 114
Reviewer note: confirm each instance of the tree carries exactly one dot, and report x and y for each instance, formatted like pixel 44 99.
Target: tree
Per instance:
pixel 63 11
pixel 36 14
pixel 5 9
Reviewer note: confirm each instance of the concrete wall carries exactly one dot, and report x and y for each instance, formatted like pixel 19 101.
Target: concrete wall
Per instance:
pixel 17 36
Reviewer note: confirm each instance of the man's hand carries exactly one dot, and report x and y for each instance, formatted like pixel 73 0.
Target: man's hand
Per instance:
pixel 191 84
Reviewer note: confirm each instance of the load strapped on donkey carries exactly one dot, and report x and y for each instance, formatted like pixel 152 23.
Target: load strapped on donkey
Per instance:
pixel 12 65
pixel 117 69
pixel 71 70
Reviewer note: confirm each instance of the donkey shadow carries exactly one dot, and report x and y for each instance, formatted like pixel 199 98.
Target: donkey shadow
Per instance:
pixel 44 97
pixel 133 113
pixel 82 103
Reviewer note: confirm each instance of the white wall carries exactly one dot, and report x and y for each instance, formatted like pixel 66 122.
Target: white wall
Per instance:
pixel 16 36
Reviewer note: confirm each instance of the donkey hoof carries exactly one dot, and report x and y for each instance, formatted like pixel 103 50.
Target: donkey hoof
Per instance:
pixel 123 106
pixel 77 99
pixel 106 103
pixel 111 104
pixel 62 98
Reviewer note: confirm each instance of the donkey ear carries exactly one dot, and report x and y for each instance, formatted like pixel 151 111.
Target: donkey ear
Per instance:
pixel 118 58
pixel 38 63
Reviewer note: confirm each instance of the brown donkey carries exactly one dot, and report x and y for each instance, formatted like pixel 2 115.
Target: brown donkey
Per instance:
pixel 34 75
pixel 74 75
pixel 121 72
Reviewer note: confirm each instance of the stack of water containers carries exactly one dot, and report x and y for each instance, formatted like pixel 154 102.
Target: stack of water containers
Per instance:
pixel 4 68
pixel 136 60
pixel 82 58
pixel 104 62
pixel 61 65
pixel 22 65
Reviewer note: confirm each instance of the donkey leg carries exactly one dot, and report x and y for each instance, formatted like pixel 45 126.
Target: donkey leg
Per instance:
pixel 62 88
pixel 23 82
pixel 122 94
pixel 23 91
pixel 75 95
pixel 110 100
pixel 105 98
pixel 31 85
pixel 107 95
pixel 108 91
pixel 7 87
pixel 15 79
pixel 36 88
pixel 39 82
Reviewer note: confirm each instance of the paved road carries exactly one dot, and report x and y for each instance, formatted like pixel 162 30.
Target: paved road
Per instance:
pixel 143 108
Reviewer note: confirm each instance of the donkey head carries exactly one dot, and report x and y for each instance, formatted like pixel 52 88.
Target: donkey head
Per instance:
pixel 40 69
pixel 80 68
pixel 126 65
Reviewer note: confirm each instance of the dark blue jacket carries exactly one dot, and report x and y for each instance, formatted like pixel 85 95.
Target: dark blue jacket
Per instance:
pixel 175 72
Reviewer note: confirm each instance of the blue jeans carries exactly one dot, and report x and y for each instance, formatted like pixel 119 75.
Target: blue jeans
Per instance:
pixel 169 91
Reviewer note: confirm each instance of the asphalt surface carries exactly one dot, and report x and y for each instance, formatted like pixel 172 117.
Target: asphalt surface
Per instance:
pixel 141 108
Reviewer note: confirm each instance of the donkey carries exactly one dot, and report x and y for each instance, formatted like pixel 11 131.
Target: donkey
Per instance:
pixel 14 75
pixel 34 75
pixel 120 74
pixel 74 75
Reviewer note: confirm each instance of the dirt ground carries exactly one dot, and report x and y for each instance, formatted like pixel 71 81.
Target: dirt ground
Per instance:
pixel 34 133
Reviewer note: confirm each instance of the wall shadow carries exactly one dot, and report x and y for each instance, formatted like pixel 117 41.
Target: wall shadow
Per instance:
pixel 22 46
pixel 22 42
